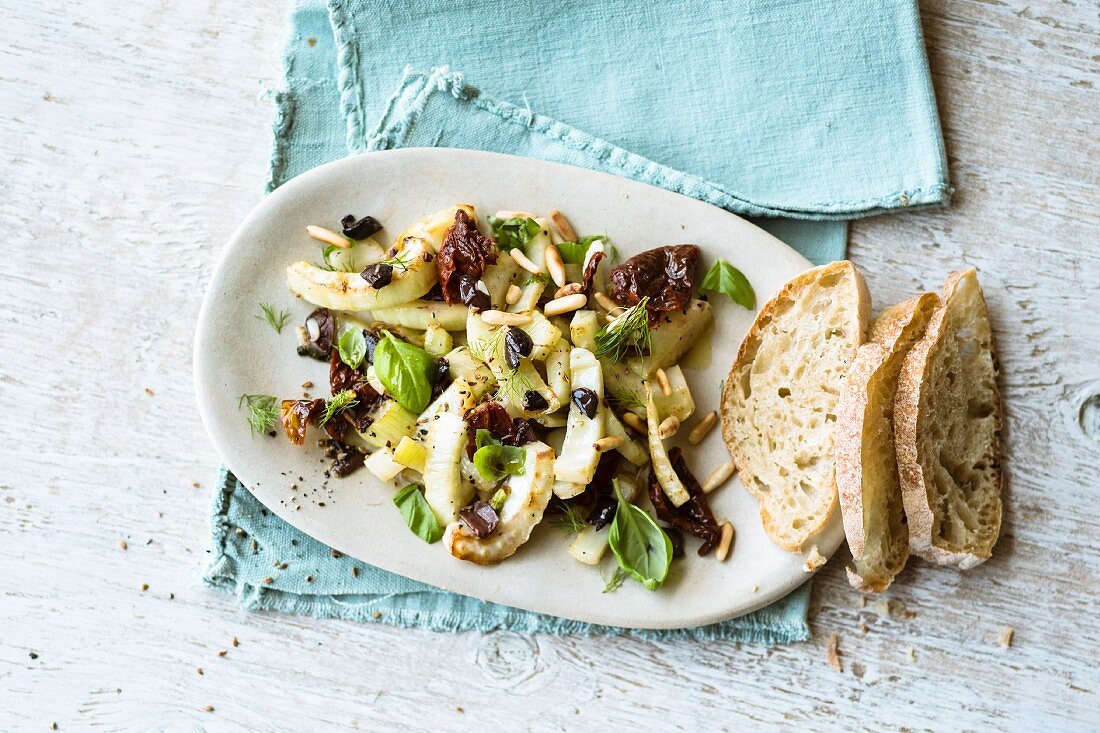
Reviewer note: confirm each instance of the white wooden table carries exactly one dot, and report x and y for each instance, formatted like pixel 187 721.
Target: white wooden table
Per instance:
pixel 133 139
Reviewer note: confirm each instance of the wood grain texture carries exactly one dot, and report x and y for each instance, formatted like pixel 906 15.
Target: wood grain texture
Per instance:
pixel 133 140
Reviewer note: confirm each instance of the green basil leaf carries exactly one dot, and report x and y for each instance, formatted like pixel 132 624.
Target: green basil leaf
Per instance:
pixel 641 547
pixel 514 232
pixel 494 462
pixel 418 515
pixel 406 371
pixel 483 438
pixel 724 278
pixel 574 253
pixel 352 347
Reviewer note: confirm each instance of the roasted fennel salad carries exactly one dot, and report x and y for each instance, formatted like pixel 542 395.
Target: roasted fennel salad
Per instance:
pixel 508 374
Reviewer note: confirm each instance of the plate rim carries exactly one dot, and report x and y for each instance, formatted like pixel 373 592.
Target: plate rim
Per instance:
pixel 201 369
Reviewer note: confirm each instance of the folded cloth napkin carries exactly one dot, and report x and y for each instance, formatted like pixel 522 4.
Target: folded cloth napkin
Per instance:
pixel 815 109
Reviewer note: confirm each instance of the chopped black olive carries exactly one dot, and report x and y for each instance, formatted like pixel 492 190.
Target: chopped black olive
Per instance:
pixel 316 335
pixel 347 461
pixel 480 517
pixel 378 275
pixel 471 295
pixel 586 401
pixel 372 341
pixel 533 401
pixel 442 378
pixel 517 344
pixel 360 228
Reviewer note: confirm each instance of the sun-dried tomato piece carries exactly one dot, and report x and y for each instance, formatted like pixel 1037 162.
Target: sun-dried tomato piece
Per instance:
pixel 693 516
pixel 590 272
pixel 296 415
pixel 464 255
pixel 342 377
pixel 493 417
pixel 665 274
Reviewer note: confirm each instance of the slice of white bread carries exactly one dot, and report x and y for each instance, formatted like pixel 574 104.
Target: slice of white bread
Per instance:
pixel 779 400
pixel 947 425
pixel 866 465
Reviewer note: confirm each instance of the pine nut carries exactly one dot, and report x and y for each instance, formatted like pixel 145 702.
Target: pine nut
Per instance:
pixel 328 236
pixel 608 304
pixel 662 382
pixel 565 229
pixel 501 318
pixel 554 265
pixel 564 305
pixel 524 261
pixel 718 477
pixel 725 543
pixel 515 292
pixel 635 422
pixel 609 443
pixel 568 289
pixel 703 428
pixel 668 427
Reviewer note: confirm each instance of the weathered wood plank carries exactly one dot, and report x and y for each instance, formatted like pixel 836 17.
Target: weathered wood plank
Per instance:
pixel 133 142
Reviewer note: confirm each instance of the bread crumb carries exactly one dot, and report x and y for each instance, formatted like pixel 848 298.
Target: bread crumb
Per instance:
pixel 863 628
pixel 814 560
pixel 122 544
pixel 1006 637
pixel 755 588
pixel 910 654
pixel 831 655
pixel 209 708
pixel 235 642
pixel 148 391
pixel 899 608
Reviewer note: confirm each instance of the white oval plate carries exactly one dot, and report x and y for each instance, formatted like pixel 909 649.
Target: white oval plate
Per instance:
pixel 236 353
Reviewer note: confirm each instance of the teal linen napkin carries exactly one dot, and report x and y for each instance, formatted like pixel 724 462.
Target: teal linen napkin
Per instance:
pixel 335 85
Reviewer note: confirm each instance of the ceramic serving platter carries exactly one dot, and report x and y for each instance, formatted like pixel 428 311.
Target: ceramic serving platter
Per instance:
pixel 237 353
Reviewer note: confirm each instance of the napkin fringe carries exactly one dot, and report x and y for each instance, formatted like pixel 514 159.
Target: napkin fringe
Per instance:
pixel 378 610
pixel 417 88
pixel 439 611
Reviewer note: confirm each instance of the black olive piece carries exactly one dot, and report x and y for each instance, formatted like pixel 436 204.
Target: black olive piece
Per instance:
pixel 347 462
pixel 378 275
pixel 316 334
pixel 533 401
pixel 603 514
pixel 471 295
pixel 677 539
pixel 360 228
pixel 586 401
pixel 480 517
pixel 442 378
pixel 517 344
pixel 372 342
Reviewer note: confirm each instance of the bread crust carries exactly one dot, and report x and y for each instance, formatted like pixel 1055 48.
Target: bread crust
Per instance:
pixel 850 419
pixel 748 346
pixel 909 426
pixel 885 340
